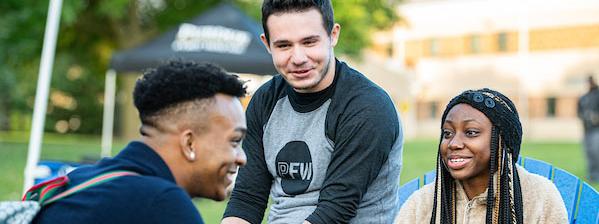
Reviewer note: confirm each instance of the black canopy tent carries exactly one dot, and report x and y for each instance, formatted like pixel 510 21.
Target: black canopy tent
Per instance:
pixel 223 35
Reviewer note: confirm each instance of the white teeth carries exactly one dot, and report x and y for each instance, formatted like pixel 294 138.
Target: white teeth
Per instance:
pixel 457 160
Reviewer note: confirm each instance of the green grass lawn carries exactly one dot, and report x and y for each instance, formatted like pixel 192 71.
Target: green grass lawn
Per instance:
pixel 418 158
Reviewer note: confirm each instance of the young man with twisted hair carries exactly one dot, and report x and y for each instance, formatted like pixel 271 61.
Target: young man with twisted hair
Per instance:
pixel 192 128
pixel 324 142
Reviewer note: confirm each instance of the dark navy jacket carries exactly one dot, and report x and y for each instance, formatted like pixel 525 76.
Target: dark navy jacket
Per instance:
pixel 152 197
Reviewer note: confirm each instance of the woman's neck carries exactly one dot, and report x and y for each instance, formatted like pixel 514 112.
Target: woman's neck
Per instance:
pixel 474 187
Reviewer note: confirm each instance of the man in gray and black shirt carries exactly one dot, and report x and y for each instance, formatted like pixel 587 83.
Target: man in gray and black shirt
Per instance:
pixel 323 141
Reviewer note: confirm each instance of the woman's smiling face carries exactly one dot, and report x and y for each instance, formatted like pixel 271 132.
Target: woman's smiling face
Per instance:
pixel 466 143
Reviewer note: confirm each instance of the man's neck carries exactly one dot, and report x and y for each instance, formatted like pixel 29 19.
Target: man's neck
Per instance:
pixel 166 148
pixel 330 76
pixel 327 81
pixel 332 70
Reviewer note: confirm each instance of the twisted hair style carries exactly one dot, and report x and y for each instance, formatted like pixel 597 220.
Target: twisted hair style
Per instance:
pixel 437 188
pixel 490 217
pixel 178 87
pixel 504 195
pixel 518 210
pixel 445 195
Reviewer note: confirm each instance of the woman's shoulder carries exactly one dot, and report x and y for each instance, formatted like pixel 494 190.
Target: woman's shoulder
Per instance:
pixel 533 182
pixel 424 194
pixel 541 200
pixel 418 206
pixel 428 188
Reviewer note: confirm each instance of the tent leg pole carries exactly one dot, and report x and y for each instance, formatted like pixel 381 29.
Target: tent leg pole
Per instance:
pixel 43 88
pixel 108 120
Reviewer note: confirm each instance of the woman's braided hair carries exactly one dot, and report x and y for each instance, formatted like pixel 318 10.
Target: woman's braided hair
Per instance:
pixel 504 196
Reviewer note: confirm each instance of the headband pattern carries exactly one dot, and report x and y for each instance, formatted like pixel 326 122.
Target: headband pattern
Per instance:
pixel 490 100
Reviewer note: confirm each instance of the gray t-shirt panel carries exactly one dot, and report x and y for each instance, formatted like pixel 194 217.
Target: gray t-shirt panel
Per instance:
pixel 297 153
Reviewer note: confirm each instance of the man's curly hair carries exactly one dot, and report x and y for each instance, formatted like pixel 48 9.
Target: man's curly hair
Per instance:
pixel 162 89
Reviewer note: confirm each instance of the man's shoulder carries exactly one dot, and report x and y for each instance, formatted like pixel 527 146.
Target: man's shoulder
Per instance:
pixel 357 101
pixel 594 94
pixel 144 181
pixel 357 92
pixel 140 186
pixel 359 84
pixel 139 189
pixel 147 193
pixel 589 100
pixel 125 199
pixel 150 182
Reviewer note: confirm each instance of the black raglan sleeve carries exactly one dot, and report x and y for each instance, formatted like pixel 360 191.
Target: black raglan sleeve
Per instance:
pixel 252 186
pixel 364 135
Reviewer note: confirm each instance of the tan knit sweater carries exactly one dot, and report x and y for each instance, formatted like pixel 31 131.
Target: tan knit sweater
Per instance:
pixel 542 203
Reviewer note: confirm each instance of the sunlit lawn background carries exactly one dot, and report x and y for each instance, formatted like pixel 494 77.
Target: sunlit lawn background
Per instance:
pixel 419 157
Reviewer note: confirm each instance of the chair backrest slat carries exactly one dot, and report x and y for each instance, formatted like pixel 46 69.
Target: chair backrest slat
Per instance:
pixel 429 177
pixel 407 189
pixel 588 206
pixel 519 162
pixel 538 167
pixel 567 185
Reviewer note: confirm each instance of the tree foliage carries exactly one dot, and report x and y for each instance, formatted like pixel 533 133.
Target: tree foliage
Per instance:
pixel 91 30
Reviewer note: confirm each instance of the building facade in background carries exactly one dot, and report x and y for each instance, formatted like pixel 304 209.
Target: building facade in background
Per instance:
pixel 537 52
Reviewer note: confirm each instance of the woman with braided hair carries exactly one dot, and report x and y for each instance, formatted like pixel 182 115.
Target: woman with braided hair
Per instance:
pixel 478 180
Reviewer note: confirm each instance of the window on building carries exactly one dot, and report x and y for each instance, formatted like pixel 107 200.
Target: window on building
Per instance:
pixel 502 41
pixel 434 109
pixel 551 106
pixel 434 47
pixel 475 44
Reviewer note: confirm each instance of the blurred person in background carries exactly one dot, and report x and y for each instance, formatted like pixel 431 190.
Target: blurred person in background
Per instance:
pixel 323 141
pixel 191 133
pixel 588 112
pixel 478 180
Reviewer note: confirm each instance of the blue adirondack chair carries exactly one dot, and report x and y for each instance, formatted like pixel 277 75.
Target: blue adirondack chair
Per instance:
pixel 519 162
pixel 588 206
pixel 429 177
pixel 567 185
pixel 580 199
pixel 538 167
pixel 407 189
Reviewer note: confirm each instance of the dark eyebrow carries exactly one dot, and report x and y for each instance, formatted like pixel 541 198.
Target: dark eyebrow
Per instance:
pixel 465 121
pixel 311 37
pixel 242 130
pixel 280 42
pixel 471 120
